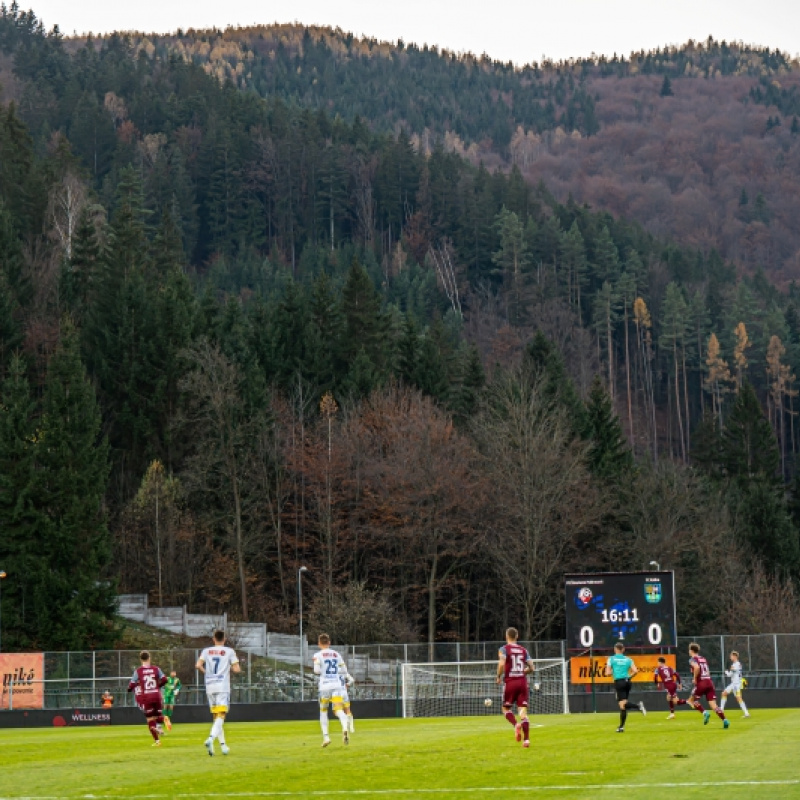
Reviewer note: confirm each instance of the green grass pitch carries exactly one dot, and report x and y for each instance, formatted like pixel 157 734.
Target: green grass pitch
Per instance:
pixel 571 757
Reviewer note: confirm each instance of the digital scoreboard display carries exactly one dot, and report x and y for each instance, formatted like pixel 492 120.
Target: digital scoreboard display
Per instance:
pixel 636 608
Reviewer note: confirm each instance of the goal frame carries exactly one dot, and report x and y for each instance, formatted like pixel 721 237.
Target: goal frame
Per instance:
pixel 491 667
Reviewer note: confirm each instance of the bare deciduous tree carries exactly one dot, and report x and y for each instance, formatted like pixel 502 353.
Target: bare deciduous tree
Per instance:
pixel 67 200
pixel 544 499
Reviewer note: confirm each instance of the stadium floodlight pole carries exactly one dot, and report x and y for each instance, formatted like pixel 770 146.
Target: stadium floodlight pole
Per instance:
pixel 656 565
pixel 300 610
pixel 2 575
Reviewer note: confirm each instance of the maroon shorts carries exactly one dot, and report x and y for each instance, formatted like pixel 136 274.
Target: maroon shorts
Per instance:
pixel 705 689
pixel 151 708
pixel 516 691
pixel 671 687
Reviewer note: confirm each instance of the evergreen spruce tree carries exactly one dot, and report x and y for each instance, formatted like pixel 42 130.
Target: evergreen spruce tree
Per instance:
pixel 71 602
pixel 365 325
pixel 609 457
pixel 19 515
pixel 471 380
pixel 666 87
pixel 542 359
pixel 751 460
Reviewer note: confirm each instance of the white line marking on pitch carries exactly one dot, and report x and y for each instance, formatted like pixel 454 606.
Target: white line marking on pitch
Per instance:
pixel 442 790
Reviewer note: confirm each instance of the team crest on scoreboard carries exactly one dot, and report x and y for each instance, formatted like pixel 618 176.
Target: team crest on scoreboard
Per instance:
pixel 583 597
pixel 652 592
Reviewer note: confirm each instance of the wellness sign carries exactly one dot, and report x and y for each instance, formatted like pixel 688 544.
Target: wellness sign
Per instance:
pixel 22 675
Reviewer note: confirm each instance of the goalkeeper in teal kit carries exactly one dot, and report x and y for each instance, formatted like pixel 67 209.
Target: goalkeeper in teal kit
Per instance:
pixel 623 669
pixel 171 691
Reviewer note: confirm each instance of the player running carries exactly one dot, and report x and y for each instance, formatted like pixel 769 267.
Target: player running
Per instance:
pixel 172 689
pixel 736 684
pixel 216 663
pixel 671 682
pixel 347 680
pixel 703 686
pixel 513 666
pixel 623 669
pixel 146 684
pixel 329 665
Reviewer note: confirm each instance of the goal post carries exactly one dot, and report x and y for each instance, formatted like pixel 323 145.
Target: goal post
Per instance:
pixel 461 688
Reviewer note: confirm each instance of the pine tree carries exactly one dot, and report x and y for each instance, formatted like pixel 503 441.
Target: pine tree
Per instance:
pixel 666 87
pixel 72 604
pixel 573 262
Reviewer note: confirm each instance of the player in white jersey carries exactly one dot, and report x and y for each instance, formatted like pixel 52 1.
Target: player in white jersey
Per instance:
pixel 216 663
pixel 329 665
pixel 736 684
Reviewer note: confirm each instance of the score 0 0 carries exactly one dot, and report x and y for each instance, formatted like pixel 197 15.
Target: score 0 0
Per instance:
pixel 654 632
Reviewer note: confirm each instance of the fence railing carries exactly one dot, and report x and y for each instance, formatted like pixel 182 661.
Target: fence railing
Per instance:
pixel 80 678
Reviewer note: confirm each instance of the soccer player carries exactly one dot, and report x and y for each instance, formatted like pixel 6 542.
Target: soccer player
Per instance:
pixel 703 686
pixel 671 682
pixel 623 669
pixel 513 666
pixel 329 665
pixel 216 663
pixel 146 684
pixel 172 689
pixel 347 680
pixel 735 686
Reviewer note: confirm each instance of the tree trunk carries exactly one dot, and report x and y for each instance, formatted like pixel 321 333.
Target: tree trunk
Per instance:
pixel 237 521
pixel 432 606
pixel 628 377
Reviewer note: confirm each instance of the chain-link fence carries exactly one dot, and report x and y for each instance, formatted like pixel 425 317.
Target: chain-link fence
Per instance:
pixel 78 679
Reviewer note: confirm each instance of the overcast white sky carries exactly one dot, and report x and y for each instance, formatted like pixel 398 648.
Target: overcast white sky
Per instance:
pixel 516 30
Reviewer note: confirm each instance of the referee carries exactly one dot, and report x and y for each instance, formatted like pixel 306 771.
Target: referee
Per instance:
pixel 623 669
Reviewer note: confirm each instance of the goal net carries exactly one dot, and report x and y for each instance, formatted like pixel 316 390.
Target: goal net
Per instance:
pixel 462 689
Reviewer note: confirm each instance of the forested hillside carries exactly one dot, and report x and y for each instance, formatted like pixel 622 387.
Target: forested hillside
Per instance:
pixel 239 334
pixel 699 143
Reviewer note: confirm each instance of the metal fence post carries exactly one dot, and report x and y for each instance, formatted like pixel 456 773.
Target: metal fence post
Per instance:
pixel 94 678
pixel 775 645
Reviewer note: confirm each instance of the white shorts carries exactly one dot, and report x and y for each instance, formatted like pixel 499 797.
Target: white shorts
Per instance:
pixel 219 702
pixel 733 688
pixel 331 693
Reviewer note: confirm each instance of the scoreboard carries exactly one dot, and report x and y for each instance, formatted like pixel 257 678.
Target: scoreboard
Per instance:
pixel 636 608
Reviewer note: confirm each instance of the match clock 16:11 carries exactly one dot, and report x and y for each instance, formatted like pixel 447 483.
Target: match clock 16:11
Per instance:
pixel 637 608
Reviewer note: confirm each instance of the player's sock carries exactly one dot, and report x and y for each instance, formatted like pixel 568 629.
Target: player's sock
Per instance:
pixel 221 732
pixel 671 706
pixel 681 702
pixel 511 718
pixel 631 706
pixel 343 719
pixel 152 724
pixel 216 728
pixel 743 707
pixel 526 726
pixel 323 722
pixel 623 715
pixel 722 702
pixel 697 707
pixel 168 713
pixel 719 712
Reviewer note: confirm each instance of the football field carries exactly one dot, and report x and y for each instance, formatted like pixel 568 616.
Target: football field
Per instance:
pixel 577 756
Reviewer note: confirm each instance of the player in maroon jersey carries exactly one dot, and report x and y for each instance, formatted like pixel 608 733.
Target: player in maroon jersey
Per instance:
pixel 671 682
pixel 513 667
pixel 146 686
pixel 703 686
